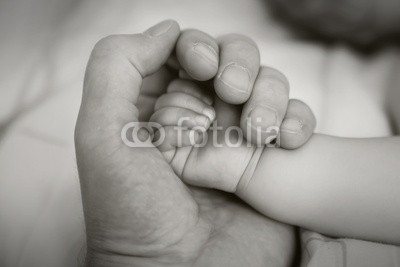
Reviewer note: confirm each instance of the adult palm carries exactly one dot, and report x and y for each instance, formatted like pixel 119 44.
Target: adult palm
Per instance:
pixel 137 211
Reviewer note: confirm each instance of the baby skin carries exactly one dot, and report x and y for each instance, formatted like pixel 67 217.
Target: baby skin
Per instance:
pixel 203 140
pixel 337 186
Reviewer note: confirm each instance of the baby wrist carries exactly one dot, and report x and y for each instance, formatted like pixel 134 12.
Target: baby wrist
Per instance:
pixel 249 171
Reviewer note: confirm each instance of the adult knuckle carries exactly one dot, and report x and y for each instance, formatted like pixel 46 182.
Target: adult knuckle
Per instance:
pixel 296 103
pixel 277 79
pixel 242 46
pixel 107 45
pixel 275 90
pixel 235 37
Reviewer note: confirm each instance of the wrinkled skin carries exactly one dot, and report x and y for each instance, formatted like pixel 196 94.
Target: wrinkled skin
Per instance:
pixel 137 211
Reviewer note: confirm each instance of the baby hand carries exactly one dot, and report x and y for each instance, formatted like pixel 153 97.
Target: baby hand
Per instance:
pixel 197 151
pixel 201 138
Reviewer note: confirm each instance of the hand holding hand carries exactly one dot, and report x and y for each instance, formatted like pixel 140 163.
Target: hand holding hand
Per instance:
pixel 201 138
pixel 137 211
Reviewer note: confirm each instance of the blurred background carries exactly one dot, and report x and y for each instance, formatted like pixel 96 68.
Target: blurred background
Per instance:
pixel 341 57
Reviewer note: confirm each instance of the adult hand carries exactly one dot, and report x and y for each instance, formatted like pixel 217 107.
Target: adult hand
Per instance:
pixel 137 211
pixel 238 78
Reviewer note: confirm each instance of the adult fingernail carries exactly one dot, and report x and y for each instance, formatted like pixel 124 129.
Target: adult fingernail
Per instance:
pixel 159 28
pixel 206 52
pixel 262 117
pixel 209 112
pixel 236 77
pixel 291 125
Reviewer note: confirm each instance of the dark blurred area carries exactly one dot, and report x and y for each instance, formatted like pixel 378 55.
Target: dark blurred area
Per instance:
pixel 365 24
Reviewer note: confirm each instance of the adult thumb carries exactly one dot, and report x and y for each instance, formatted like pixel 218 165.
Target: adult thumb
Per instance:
pixel 131 196
pixel 119 63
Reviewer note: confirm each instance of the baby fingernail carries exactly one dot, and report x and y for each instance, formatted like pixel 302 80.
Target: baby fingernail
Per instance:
pixel 262 117
pixel 202 121
pixel 236 77
pixel 210 113
pixel 208 100
pixel 159 28
pixel 206 52
pixel 196 136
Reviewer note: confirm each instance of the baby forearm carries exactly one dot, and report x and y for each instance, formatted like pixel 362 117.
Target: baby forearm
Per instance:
pixel 337 186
